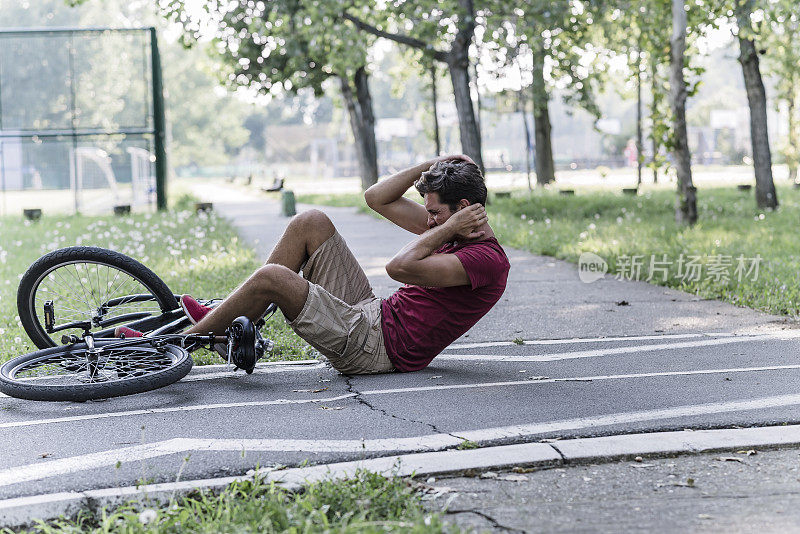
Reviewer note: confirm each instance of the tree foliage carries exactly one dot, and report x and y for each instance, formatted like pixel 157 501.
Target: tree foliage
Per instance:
pixel 273 45
pixel 780 41
pixel 637 31
pixel 442 31
pixel 207 127
pixel 565 32
pixel 552 46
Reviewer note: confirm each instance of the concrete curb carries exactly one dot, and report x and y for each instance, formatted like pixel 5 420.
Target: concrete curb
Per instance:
pixel 25 510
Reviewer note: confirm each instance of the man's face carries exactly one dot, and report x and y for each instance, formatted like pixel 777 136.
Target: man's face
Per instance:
pixel 438 213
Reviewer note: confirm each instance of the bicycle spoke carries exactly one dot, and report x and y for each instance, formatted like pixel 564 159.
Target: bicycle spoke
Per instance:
pixel 79 290
pixel 75 367
pixel 79 280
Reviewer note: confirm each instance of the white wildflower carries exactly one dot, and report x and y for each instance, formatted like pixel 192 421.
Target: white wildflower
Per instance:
pixel 147 516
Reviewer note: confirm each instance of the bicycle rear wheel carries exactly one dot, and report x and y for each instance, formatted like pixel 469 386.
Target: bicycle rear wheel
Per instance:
pixel 91 284
pixel 76 373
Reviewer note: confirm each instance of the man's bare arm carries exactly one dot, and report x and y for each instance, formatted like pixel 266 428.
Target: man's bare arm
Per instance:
pixel 386 198
pixel 417 264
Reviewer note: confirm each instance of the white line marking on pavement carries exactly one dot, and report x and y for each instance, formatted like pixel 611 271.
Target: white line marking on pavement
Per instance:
pixel 276 402
pixel 517 431
pixel 430 442
pixel 192 408
pixel 194 377
pixel 564 341
pixel 85 462
pixel 719 339
pixel 582 379
pixel 618 350
pixel 202 372
pixel 260 365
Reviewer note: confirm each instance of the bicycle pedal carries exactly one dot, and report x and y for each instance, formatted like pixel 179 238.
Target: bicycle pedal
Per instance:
pixel 263 346
pixel 69 339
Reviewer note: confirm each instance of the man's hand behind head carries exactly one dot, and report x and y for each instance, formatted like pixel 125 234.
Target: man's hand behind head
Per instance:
pixel 465 222
pixel 456 157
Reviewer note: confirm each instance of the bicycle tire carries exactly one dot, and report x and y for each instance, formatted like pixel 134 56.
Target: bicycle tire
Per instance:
pixel 59 262
pixel 135 367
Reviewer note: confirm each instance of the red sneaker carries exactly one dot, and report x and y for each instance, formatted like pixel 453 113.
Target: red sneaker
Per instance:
pixel 127 333
pixel 195 312
pixel 193 309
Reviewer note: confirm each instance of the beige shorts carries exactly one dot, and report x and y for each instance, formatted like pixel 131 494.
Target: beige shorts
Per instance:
pixel 342 316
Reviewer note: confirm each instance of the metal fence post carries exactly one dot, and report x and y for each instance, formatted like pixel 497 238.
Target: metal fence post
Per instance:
pixel 159 124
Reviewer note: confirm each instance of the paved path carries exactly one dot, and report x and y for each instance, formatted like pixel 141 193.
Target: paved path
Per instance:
pixel 587 367
pixel 711 493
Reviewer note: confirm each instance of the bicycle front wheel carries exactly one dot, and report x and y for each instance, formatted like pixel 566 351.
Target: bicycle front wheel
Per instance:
pixel 90 284
pixel 76 373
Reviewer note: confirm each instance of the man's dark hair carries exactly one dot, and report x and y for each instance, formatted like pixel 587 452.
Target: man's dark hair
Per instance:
pixel 453 180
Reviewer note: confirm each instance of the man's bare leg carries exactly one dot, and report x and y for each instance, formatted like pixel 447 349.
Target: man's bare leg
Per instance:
pixel 271 283
pixel 277 281
pixel 304 234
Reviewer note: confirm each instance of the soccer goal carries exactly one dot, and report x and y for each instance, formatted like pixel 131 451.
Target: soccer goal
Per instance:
pixel 81 112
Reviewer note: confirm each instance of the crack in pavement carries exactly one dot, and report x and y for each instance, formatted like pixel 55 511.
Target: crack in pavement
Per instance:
pixel 558 451
pixel 361 400
pixel 487 517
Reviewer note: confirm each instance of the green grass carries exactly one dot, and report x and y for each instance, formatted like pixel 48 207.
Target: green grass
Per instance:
pixel 199 254
pixel 341 200
pixel 467 445
pixel 616 226
pixel 365 503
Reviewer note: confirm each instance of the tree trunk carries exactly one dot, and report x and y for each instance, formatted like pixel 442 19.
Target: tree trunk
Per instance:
pixel 686 208
pixel 757 100
pixel 435 111
pixel 793 149
pixel 639 158
pixel 478 103
pixel 369 174
pixel 458 64
pixel 653 115
pixel 524 109
pixel 362 123
pixel 457 60
pixel 545 168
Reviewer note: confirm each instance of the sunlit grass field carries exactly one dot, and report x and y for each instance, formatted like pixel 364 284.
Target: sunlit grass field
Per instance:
pixel 629 230
pixel 194 253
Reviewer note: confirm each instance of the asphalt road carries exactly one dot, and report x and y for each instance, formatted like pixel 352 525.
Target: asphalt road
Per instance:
pixel 730 492
pixel 587 367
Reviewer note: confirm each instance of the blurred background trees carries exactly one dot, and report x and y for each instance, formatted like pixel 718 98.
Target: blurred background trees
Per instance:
pixel 322 89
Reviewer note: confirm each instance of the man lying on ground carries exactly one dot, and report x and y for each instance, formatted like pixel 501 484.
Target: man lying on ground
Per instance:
pixel 454 272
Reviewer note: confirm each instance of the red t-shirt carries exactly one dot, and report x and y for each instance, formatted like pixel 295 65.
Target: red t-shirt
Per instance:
pixel 419 322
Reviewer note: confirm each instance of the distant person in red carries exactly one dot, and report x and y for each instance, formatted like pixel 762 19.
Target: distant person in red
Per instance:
pixel 454 273
pixel 631 153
